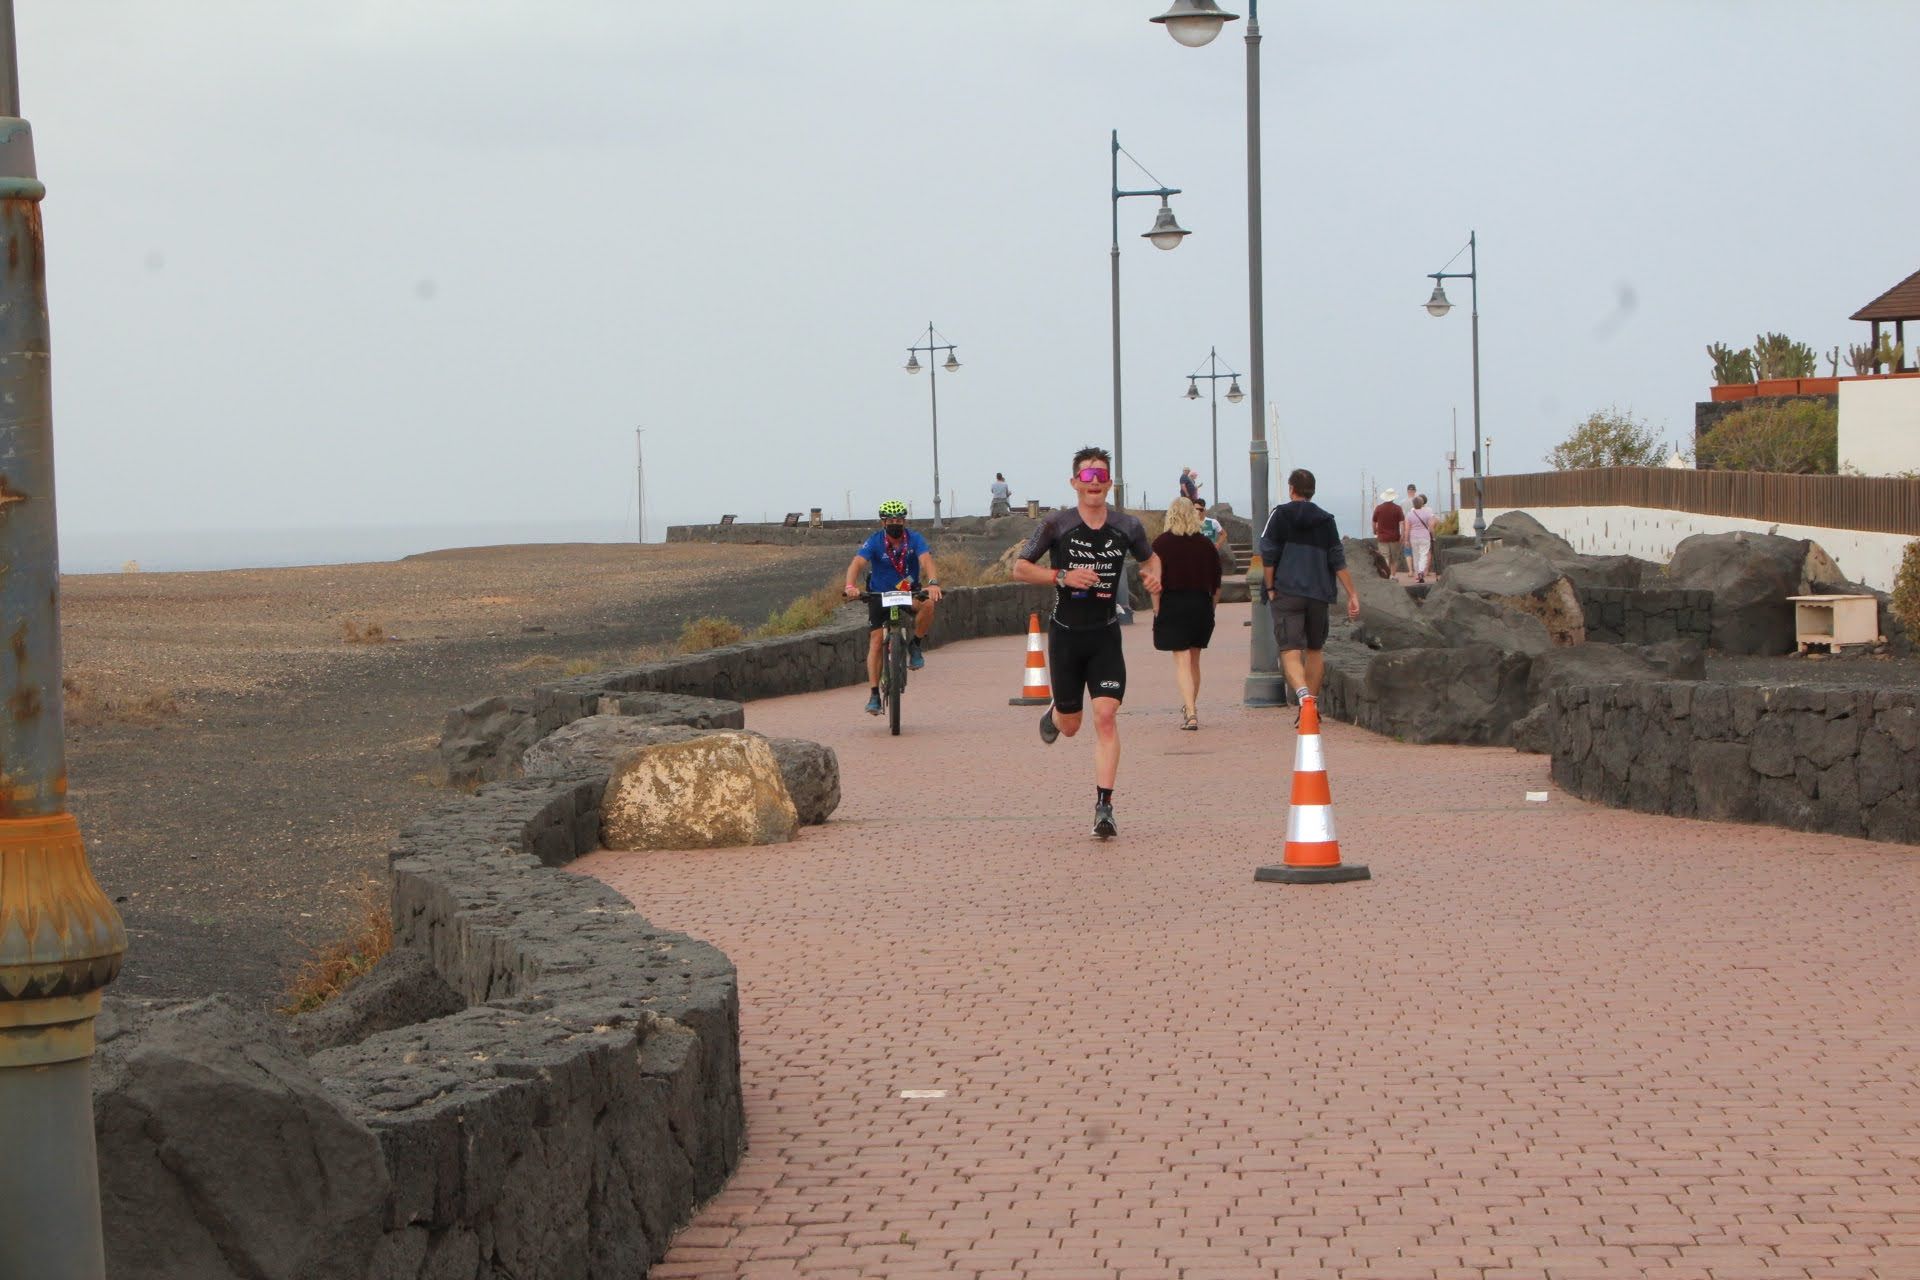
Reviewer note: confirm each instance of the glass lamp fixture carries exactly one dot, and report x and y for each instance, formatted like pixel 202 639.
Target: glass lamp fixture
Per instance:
pixel 1194 22
pixel 913 363
pixel 1438 305
pixel 1234 394
pixel 1167 232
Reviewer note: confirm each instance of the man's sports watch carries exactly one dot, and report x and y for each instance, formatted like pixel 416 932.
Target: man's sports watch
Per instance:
pixel 1059 577
pixel 931 582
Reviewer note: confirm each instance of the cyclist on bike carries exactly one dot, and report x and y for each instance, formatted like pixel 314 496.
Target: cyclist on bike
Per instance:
pixel 1086 546
pixel 895 558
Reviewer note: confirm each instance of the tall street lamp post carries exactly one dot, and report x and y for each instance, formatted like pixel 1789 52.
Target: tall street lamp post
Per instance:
pixel 952 365
pixel 1194 23
pixel 60 938
pixel 1234 396
pixel 1166 234
pixel 1438 305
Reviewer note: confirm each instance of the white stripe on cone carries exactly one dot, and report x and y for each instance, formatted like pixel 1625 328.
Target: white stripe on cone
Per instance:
pixel 1310 824
pixel 1036 680
pixel 1306 754
pixel 1033 642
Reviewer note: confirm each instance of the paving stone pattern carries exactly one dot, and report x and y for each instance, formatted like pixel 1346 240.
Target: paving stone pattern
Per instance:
pixel 1546 1042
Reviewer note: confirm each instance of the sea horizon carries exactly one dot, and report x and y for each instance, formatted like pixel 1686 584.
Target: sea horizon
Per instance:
pixel 214 550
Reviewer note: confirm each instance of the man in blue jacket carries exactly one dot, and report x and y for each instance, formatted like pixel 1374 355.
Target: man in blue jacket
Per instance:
pixel 1302 557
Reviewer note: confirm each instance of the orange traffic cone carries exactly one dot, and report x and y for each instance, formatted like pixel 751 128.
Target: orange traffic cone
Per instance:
pixel 1313 852
pixel 1034 689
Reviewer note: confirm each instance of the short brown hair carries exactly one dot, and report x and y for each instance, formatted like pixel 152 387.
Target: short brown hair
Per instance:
pixel 1092 451
pixel 1301 482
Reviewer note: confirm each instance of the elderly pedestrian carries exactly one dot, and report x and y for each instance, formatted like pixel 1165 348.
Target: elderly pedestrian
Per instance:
pixel 1389 523
pixel 1407 504
pixel 1189 484
pixel 1001 494
pixel 1420 527
pixel 1183 607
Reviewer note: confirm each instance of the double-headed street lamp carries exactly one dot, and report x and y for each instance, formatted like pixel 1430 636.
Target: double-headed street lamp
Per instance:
pixel 1194 23
pixel 1234 396
pixel 952 365
pixel 1438 305
pixel 1166 234
pixel 60 938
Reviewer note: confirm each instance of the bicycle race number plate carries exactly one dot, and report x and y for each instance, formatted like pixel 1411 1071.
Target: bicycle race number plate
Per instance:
pixel 888 599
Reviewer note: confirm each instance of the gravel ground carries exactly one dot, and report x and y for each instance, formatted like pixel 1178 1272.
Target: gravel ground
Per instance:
pixel 1855 671
pixel 239 768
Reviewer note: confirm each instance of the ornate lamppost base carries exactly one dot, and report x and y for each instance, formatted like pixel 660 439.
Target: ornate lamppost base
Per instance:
pixel 1265 689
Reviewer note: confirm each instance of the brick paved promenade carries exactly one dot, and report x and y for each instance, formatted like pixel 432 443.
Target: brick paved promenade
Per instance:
pixel 1546 1041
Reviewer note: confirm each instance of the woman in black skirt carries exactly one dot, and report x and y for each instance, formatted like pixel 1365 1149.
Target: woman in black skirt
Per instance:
pixel 1183 611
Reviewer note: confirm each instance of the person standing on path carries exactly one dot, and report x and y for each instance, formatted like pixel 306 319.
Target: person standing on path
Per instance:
pixel 1183 608
pixel 1086 547
pixel 1189 484
pixel 1001 494
pixel 1420 525
pixel 1388 521
pixel 894 558
pixel 1412 500
pixel 1300 548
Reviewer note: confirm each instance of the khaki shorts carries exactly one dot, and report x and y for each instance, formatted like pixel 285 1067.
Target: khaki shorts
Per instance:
pixel 1299 623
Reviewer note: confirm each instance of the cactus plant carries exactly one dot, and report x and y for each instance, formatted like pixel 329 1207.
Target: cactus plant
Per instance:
pixel 1833 363
pixel 1862 357
pixel 1778 356
pixel 1730 366
pixel 1891 354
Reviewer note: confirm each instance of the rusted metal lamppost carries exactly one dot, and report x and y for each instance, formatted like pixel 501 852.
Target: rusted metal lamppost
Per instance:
pixel 60 938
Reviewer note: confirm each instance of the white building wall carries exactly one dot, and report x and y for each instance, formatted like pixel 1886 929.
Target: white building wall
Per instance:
pixel 1871 558
pixel 1880 425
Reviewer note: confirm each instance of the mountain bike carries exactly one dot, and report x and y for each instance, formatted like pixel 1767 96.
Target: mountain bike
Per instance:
pixel 893 654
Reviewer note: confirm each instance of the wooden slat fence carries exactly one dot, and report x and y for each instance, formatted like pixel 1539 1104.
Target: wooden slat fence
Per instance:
pixel 1873 504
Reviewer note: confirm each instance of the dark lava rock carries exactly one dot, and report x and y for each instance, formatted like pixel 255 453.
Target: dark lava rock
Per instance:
pixel 183 1096
pixel 402 989
pixel 1751 575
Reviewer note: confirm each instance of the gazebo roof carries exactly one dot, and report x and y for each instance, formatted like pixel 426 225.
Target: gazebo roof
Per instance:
pixel 1902 302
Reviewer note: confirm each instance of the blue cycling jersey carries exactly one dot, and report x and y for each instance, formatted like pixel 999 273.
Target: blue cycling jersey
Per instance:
pixel 886 565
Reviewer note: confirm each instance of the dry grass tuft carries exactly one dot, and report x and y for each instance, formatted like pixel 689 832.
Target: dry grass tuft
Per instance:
pixel 958 569
pixel 538 662
pixel 354 631
pixel 709 633
pixel 582 667
pixel 336 966
pixel 815 609
pixel 91 702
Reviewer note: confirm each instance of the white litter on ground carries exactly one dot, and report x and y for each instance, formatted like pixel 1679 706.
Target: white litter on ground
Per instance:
pixel 923 1093
pixel 1538 797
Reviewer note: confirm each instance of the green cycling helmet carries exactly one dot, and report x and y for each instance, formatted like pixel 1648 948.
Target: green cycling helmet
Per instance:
pixel 893 507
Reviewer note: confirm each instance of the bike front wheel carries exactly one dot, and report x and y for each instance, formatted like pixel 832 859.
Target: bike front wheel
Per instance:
pixel 896 677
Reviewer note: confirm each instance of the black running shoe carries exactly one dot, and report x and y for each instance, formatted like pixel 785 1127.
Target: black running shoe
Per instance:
pixel 1103 827
pixel 1048 729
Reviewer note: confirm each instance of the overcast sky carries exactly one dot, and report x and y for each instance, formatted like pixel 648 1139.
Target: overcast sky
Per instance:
pixel 399 261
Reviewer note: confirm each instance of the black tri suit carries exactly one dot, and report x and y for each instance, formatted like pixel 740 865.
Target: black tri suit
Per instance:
pixel 1084 656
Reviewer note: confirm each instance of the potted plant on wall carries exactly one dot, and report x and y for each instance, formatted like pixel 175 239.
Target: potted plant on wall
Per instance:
pixel 1732 372
pixel 1779 365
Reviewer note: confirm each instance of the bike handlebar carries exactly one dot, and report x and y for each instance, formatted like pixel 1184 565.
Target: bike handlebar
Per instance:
pixel 875 595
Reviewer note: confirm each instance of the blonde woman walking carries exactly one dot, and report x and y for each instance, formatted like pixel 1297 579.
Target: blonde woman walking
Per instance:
pixel 1183 607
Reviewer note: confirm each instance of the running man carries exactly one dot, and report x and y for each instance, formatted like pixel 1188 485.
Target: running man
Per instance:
pixel 1086 548
pixel 893 559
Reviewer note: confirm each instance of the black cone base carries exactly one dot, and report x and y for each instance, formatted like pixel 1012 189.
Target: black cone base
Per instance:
pixel 1284 874
pixel 1028 702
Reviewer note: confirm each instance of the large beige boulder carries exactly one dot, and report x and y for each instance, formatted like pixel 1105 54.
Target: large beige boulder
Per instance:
pixel 716 790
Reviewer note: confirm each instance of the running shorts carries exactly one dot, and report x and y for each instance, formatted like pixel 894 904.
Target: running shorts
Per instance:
pixel 1090 662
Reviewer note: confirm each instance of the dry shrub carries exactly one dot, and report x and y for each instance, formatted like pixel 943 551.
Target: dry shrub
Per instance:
pixel 709 632
pixel 1800 437
pixel 538 662
pixel 90 701
pixel 1448 525
pixel 1906 589
pixel 354 631
pixel 958 569
pixel 582 667
pixel 337 964
pixel 815 609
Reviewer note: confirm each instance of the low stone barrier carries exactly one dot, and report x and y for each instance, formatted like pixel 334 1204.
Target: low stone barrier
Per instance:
pixel 485 740
pixel 1814 759
pixel 1625 615
pixel 562 1125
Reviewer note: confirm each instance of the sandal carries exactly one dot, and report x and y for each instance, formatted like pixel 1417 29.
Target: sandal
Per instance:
pixel 1191 721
